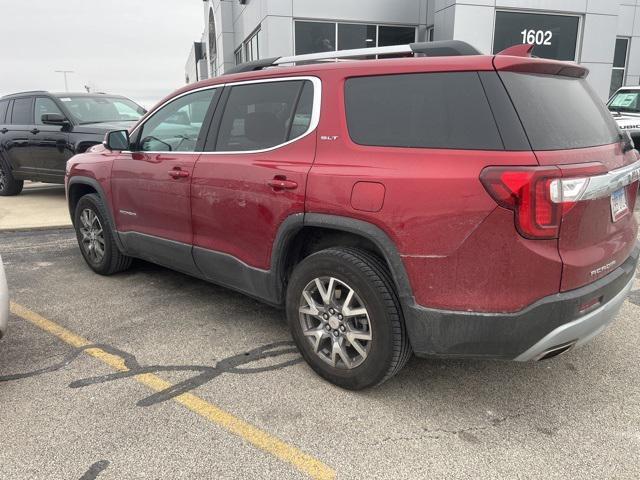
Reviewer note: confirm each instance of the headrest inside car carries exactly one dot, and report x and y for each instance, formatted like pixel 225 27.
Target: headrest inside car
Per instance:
pixel 264 128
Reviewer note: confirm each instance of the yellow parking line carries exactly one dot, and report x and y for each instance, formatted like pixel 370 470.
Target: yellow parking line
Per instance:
pixel 258 438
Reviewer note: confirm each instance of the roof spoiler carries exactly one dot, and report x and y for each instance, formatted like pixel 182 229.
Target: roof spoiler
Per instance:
pixel 519 58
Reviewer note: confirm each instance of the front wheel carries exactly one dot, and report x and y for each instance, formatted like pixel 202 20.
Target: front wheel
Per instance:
pixel 345 318
pixel 96 239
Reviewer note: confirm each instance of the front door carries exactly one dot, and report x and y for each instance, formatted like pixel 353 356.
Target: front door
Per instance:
pixel 49 144
pixel 151 185
pixel 254 177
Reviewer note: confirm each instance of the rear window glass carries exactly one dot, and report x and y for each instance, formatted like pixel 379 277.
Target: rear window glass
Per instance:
pixel 560 113
pixel 424 110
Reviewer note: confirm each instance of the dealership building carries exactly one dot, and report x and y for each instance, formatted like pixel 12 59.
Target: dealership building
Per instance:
pixel 603 35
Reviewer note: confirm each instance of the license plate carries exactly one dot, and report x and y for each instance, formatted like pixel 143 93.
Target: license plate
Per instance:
pixel 619 205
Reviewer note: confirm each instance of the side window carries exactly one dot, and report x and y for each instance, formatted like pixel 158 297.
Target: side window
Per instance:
pixel 45 105
pixel 424 110
pixel 22 113
pixel 4 105
pixel 261 115
pixel 176 127
pixel 302 116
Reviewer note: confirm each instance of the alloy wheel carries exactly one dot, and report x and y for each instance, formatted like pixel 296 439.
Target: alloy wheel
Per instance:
pixel 93 242
pixel 336 322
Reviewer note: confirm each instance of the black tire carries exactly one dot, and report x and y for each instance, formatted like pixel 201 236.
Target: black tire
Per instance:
pixel 372 283
pixel 112 261
pixel 9 186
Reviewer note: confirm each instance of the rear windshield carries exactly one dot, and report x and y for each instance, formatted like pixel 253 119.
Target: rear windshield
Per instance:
pixel 424 110
pixel 560 113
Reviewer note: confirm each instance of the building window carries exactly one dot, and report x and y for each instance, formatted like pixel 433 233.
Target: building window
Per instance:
pixel 395 35
pixel 251 47
pixel 431 33
pixel 314 37
pixel 238 55
pixel 619 64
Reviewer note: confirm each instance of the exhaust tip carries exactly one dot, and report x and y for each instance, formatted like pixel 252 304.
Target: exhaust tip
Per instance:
pixel 555 351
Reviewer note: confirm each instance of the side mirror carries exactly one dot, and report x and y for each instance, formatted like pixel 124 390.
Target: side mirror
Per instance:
pixel 54 119
pixel 117 140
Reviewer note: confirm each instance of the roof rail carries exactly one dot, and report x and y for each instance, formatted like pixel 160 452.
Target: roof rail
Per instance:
pixel 24 93
pixel 446 48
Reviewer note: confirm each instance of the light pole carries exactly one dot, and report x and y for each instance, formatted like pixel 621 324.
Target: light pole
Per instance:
pixel 65 73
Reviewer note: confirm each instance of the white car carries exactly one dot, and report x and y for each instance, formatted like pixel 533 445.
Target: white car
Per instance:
pixel 624 105
pixel 4 301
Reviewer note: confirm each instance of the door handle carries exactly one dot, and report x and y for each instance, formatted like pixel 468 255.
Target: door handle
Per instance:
pixel 178 173
pixel 281 183
pixel 4 130
pixel 35 131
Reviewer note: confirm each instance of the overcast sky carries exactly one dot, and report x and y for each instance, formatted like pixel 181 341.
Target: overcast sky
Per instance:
pixel 137 48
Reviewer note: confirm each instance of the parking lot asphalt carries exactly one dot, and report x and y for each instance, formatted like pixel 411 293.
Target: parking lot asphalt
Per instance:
pixel 153 374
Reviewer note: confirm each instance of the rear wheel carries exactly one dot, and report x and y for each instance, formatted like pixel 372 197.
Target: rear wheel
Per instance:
pixel 8 184
pixel 96 239
pixel 345 317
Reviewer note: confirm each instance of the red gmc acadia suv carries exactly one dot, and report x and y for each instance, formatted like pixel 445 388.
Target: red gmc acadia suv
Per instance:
pixel 451 204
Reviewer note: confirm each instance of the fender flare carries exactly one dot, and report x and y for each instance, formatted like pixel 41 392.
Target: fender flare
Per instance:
pixel 93 183
pixel 379 238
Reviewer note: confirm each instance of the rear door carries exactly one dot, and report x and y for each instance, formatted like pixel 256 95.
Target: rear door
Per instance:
pixel 570 128
pixel 19 132
pixel 253 173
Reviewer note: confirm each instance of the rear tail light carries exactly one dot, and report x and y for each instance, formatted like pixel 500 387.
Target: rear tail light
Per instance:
pixel 540 196
pixel 527 191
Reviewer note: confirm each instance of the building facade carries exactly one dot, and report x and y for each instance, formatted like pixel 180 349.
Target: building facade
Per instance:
pixel 603 35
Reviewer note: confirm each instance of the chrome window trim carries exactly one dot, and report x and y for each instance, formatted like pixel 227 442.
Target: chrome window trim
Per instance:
pixel 600 186
pixel 313 125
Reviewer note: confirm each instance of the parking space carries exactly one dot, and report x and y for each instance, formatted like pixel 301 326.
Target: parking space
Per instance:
pixel 40 205
pixel 153 374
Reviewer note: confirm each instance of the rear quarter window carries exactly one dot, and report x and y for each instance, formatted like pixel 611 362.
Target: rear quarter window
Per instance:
pixel 424 110
pixel 560 113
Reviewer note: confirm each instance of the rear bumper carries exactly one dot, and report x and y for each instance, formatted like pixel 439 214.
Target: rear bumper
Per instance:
pixel 552 322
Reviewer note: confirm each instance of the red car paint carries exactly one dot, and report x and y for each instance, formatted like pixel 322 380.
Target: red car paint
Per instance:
pixel 460 249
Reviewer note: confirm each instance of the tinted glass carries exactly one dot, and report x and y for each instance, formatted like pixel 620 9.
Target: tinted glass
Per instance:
pixel 560 112
pixel 21 113
pixel 426 110
pixel 176 127
pixel 102 109
pixel 626 101
pixel 258 116
pixel 620 55
pixel 313 37
pixel 304 110
pixel 396 36
pixel 554 36
pixel 351 36
pixel 3 109
pixel 43 106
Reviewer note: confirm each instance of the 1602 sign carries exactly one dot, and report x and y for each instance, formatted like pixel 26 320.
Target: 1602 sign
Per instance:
pixel 536 37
